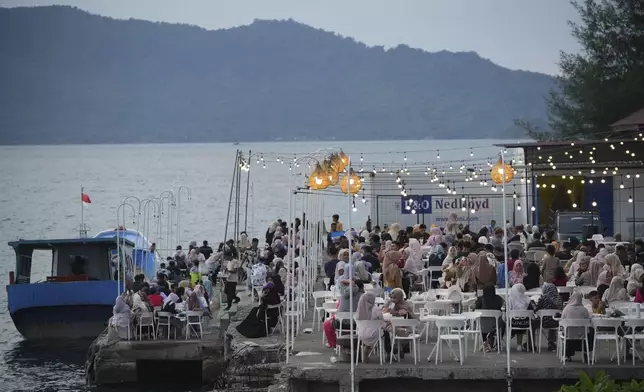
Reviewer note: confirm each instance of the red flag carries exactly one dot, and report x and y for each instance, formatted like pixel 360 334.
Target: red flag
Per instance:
pixel 85 198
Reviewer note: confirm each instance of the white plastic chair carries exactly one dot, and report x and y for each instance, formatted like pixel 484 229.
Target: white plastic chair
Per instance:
pixel 546 313
pixel 522 314
pixel 318 310
pixel 496 315
pixel 431 311
pixel 422 274
pixel 279 319
pixel 193 321
pixel 258 290
pixel 612 336
pixel 634 336
pixel 473 327
pixel 449 330
pixel 327 306
pixel 435 273
pixel 372 324
pixel 564 326
pixel 413 336
pixel 164 321
pixel 146 320
pixel 341 316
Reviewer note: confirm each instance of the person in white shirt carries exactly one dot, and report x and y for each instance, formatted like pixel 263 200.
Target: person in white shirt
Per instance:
pixel 232 268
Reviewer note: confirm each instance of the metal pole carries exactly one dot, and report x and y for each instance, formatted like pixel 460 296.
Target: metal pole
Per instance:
pixel 507 289
pixel 230 198
pixel 291 197
pixel 247 189
pixel 349 210
pixel 633 203
pixel 82 226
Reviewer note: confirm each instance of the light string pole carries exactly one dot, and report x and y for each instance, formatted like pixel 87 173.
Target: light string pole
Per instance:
pixel 188 191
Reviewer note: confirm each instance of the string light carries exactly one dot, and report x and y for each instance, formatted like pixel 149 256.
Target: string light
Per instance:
pixel 438 154
pixel 405 158
pixel 574 205
pixel 594 203
pixel 354 207
pixel 471 152
pixel 630 199
pixel 533 208
pixel 518 207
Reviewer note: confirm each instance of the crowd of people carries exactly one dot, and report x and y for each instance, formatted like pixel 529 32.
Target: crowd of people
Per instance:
pixel 395 258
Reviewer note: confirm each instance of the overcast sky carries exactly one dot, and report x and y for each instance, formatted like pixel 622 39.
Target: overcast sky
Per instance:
pixel 518 34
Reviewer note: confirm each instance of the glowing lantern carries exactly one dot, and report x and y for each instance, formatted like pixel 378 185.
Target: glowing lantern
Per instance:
pixel 501 172
pixel 318 179
pixel 337 163
pixel 332 175
pixel 344 158
pixel 350 183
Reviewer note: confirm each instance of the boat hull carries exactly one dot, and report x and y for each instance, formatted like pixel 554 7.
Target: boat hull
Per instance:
pixel 70 310
pixel 62 322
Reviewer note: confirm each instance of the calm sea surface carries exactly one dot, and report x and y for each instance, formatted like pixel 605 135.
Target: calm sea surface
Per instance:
pixel 40 199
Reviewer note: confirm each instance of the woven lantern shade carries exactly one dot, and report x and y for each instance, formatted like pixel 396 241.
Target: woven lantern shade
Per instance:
pixel 331 174
pixel 319 179
pixel 501 173
pixel 344 158
pixel 350 183
pixel 337 163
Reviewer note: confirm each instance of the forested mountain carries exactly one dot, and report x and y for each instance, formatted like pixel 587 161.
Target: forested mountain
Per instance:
pixel 67 76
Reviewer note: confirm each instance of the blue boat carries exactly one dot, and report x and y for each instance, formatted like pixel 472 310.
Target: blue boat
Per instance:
pixel 76 300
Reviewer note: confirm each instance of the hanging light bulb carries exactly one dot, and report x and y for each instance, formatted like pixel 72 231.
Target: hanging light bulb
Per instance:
pixel 471 152
pixel 514 195
pixel 463 209
pixel 630 199
pixel 574 205
pixel 438 154
pixel 405 158
pixel 569 191
pixel 594 203
pixel 472 211
pixel 518 207
pixel 354 207
pixel 361 158
pixel 533 208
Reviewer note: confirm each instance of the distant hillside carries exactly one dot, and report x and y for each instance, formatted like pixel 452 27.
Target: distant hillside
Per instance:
pixel 67 76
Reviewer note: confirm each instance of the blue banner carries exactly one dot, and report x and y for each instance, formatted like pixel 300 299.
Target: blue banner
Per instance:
pixel 416 204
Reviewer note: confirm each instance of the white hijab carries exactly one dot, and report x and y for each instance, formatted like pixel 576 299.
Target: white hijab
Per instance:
pixel 518 300
pixel 414 262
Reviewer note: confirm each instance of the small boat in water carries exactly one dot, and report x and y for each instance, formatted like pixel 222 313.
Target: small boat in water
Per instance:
pixel 87 274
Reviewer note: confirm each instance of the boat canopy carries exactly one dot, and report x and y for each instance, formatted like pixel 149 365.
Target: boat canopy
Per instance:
pixel 70 257
pixel 144 261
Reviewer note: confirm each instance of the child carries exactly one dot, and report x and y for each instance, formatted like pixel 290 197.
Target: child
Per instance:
pixel 596 303
pixel 560 277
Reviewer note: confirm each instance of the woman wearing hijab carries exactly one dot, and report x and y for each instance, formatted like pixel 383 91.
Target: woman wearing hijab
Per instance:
pixel 616 291
pixel 550 299
pixel 517 273
pixel 350 293
pixel 465 273
pixel 635 279
pixel 576 311
pixel 591 275
pixel 254 325
pixel 581 266
pixel 490 301
pixel 391 271
pixel 388 245
pixel 394 230
pixel 572 271
pixel 612 268
pixel 485 272
pixel 339 274
pixel 120 323
pixel 532 279
pixel 518 300
pixel 414 262
pixel 397 306
pixel 368 335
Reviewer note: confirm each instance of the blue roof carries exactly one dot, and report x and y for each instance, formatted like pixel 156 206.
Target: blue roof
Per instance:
pixel 49 244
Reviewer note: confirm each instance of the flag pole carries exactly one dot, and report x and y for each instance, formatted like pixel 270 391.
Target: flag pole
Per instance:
pixel 82 225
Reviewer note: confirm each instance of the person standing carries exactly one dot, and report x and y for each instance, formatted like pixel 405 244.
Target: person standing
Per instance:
pixel 338 224
pixel 205 250
pixel 232 268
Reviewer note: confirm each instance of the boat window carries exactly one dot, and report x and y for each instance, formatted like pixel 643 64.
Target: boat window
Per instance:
pixel 40 265
pixel 574 224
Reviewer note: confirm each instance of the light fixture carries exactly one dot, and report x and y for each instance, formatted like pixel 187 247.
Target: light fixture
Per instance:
pixel 472 211
pixel 501 172
pixel 574 205
pixel 518 207
pixel 350 183
pixel 569 191
pixel 630 199
pixel 319 178
pixel 354 207
pixel 533 208
pixel 438 154
pixel 463 209
pixel 594 203
pixel 331 174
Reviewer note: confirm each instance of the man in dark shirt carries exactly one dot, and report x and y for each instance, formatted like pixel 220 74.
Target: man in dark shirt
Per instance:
pixel 329 266
pixel 370 258
pixel 205 250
